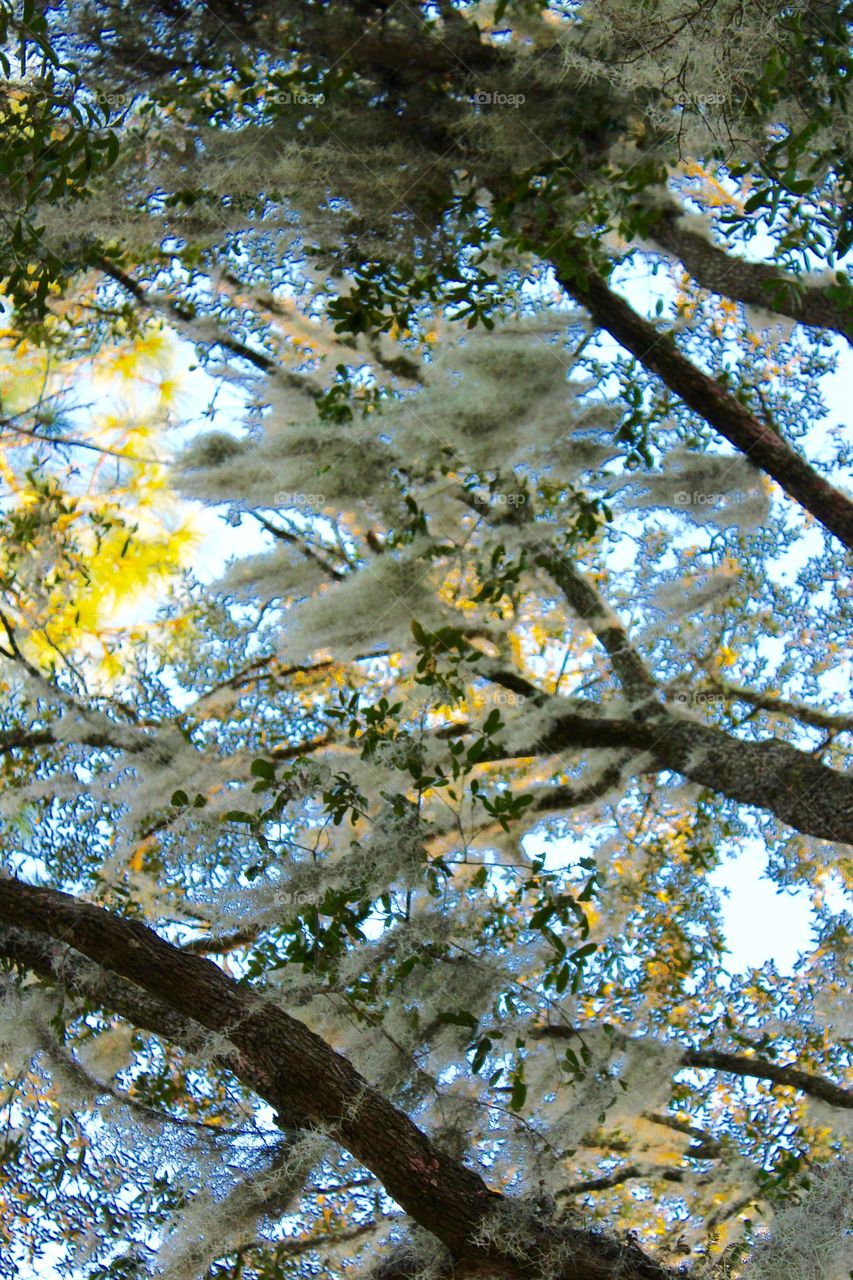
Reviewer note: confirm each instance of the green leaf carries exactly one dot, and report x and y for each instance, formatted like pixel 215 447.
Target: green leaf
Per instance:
pixel 518 1095
pixel 755 202
pixel 238 815
pixel 493 722
pixel 459 1018
pixel 480 1054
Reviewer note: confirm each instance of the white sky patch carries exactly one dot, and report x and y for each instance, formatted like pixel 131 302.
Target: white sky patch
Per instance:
pixel 761 922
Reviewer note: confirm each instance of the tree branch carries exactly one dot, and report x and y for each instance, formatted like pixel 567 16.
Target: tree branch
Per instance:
pixel 735 1064
pixel 763 1069
pixel 771 776
pixel 759 284
pixel 626 1174
pixel 629 668
pixel 703 394
pixel 831 721
pixel 294 1070
pixel 186 320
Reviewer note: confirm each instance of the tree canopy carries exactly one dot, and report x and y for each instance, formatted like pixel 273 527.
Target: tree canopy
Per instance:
pixel 424 561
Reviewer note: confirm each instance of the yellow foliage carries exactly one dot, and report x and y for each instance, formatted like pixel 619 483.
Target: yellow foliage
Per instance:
pixel 86 547
pixel 726 657
pixel 711 193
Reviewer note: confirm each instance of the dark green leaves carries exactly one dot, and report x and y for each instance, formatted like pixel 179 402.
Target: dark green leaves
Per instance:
pixel 53 141
pixel 459 1018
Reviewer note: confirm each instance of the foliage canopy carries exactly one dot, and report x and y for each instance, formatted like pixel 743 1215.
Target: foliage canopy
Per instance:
pixel 359 908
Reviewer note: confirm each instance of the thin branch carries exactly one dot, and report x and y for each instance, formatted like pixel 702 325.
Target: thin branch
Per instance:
pixel 626 1174
pixel 186 320
pixel 71 442
pixel 285 535
pixel 813 716
pixel 790 1076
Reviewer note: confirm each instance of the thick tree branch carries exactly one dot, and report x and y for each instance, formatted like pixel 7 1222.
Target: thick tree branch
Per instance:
pixel 59 963
pixel 296 1071
pixel 629 667
pixel 703 394
pixel 758 284
pixel 771 775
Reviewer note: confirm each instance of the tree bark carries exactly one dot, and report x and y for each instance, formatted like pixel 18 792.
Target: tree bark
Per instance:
pixel 771 776
pixel 759 284
pixel 704 395
pixel 297 1072
pixel 791 1077
pixel 737 1064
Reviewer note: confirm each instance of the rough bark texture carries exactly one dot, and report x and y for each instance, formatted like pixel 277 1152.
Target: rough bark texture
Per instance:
pixel 705 396
pixel 125 967
pixel 771 776
pixel 297 1072
pixel 759 284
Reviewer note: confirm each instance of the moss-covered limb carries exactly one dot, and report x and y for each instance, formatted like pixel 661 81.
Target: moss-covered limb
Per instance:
pixel 296 1071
